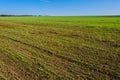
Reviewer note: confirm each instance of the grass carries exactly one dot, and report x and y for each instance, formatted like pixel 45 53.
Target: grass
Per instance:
pixel 60 48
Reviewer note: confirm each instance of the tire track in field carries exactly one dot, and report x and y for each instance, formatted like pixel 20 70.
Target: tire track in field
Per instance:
pixel 97 69
pixel 8 72
pixel 45 51
pixel 50 53
pixel 11 69
pixel 8 68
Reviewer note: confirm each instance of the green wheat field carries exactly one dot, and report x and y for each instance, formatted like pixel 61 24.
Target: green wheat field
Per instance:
pixel 60 48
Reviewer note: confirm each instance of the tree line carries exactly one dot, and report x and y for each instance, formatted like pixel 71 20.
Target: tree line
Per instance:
pixel 6 15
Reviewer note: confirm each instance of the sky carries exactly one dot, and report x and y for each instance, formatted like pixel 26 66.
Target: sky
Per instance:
pixel 60 7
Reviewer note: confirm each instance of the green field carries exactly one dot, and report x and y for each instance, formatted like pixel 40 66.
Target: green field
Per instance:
pixel 60 48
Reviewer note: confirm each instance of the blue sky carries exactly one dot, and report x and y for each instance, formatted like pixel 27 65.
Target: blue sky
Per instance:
pixel 60 7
